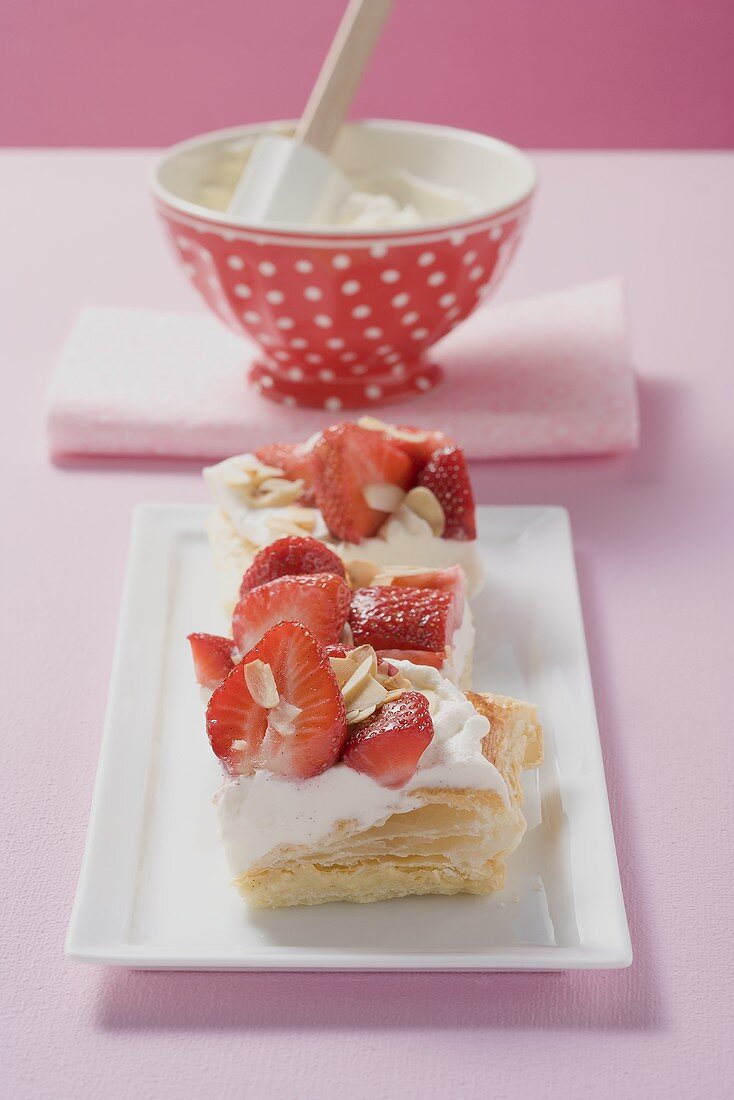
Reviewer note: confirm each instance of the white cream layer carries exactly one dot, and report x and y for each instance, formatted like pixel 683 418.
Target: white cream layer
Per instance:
pixel 404 539
pixel 259 813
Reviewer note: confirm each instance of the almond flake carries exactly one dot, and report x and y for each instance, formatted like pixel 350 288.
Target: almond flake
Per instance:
pixel 382 496
pixel 370 694
pixel 361 573
pixel 372 424
pixel 393 695
pixel 427 505
pixel 261 682
pixel 354 716
pixel 282 718
pixel 343 668
pixel 361 675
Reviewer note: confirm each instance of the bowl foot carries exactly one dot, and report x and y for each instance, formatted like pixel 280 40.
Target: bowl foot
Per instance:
pixel 297 389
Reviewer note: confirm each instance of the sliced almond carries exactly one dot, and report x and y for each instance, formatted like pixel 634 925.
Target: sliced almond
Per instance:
pixel 427 505
pixel 283 526
pixel 343 668
pixel 393 695
pixel 372 424
pixel 382 496
pixel 302 517
pixel 277 492
pixel 370 694
pixel 261 682
pixel 361 573
pixel 360 652
pixel 354 716
pixel 283 718
pixel 361 675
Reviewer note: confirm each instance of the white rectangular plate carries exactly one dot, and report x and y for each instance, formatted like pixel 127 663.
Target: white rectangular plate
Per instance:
pixel 154 889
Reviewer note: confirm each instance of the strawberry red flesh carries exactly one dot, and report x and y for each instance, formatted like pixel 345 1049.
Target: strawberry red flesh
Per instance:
pixel 291 556
pixel 389 617
pixel 243 733
pixel 415 656
pixel 214 658
pixel 346 459
pixel 446 474
pixel 319 601
pixel 389 745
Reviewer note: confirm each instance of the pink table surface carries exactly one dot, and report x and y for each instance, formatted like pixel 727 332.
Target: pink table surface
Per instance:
pixel 654 544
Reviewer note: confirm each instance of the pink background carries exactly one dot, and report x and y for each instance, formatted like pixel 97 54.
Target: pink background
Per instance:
pixel 654 543
pixel 541 73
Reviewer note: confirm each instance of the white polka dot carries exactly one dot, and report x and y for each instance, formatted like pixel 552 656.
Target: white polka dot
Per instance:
pixel 295 374
pixel 182 242
pixel 189 269
pixel 359 368
pixel 265 338
pixel 400 300
pixel 251 317
pixel 304 266
pixel 446 300
pixel 257 387
pixel 423 383
pixel 265 267
pixel 426 258
pixel 372 392
pixel 235 262
pixel 390 276
pixel 326 375
pixel 313 357
pixel 341 261
pixel 419 334
pixel 290 401
pixel 476 273
pixel 348 357
pixel 378 251
pixel 360 312
pixel 242 290
pixel 335 343
pixel 453 313
pixel 285 322
pixel 322 320
pixel 266 381
pixel 384 349
pixel 457 238
pixel 394 357
pixel 351 287
pixel 275 297
pixel 496 233
pixel 436 278
pixel 469 257
pixel 312 293
pixel 398 370
pixel 213 281
pixel 332 403
pixel 410 318
pixel 373 333
pixel 298 342
pixel 282 355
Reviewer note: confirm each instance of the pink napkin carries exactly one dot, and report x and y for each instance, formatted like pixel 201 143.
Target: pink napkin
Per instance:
pixel 546 376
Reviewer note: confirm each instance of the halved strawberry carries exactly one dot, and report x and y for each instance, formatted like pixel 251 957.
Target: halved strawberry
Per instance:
pixel 415 656
pixel 319 601
pixel 446 474
pixel 346 460
pixel 388 617
pixel 388 746
pixel 301 734
pixel 423 445
pixel 294 459
pixel 214 658
pixel 291 556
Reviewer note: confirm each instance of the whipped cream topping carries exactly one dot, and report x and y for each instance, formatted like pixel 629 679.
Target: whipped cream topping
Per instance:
pixel 405 538
pixel 261 812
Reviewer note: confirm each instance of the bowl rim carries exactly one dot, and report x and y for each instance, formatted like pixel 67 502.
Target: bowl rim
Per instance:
pixel 214 217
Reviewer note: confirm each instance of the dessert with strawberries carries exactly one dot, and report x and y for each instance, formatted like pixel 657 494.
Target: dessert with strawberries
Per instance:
pixel 354 766
pixel 371 492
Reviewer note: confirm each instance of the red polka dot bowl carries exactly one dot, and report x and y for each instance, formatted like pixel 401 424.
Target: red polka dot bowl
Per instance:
pixel 345 318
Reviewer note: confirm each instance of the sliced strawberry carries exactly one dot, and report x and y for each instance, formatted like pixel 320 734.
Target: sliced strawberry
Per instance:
pixel 422 447
pixel 337 649
pixel 389 745
pixel 319 601
pixel 299 737
pixel 295 460
pixel 388 617
pixel 446 474
pixel 415 656
pixel 346 459
pixel 214 658
pixel 446 580
pixel 291 556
